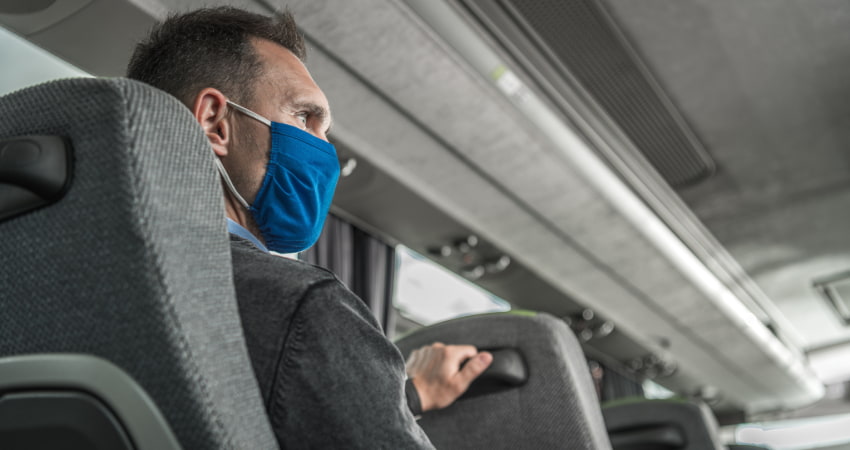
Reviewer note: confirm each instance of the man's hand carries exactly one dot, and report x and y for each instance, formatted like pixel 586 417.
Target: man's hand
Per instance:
pixel 435 371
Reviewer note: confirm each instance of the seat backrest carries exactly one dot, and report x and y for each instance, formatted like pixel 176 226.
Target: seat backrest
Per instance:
pixel 132 264
pixel 672 424
pixel 550 403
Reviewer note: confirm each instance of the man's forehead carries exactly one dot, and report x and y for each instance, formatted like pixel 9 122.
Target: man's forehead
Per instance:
pixel 280 64
pixel 287 75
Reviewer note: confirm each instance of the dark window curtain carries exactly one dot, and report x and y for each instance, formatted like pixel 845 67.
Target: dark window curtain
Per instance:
pixel 611 384
pixel 365 264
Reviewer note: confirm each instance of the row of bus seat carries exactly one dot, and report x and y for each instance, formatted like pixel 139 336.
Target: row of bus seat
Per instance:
pixel 119 322
pixel 542 396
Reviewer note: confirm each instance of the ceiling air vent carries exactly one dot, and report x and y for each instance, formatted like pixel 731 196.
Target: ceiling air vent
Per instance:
pixel 567 42
pixel 836 290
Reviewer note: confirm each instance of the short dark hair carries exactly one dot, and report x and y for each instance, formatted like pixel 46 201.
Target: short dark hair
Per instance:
pixel 211 48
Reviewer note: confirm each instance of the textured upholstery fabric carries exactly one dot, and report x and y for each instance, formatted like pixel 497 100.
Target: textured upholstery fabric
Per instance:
pixel 556 408
pixel 133 265
pixel 694 422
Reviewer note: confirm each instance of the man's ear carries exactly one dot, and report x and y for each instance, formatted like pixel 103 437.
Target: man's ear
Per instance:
pixel 210 110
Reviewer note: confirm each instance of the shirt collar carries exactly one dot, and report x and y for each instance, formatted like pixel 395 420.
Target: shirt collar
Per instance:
pixel 239 230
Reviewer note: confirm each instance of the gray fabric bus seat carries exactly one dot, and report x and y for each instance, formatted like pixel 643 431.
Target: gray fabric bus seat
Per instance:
pixel 132 264
pixel 550 404
pixel 671 424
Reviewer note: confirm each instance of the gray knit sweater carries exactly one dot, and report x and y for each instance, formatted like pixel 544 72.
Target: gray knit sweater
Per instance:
pixel 328 376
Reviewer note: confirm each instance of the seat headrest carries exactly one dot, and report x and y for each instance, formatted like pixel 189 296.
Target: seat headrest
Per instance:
pixel 133 263
pixel 675 423
pixel 547 400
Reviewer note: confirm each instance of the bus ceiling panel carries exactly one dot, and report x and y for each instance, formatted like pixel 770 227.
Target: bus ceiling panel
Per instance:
pixel 25 6
pixel 96 36
pixel 27 17
pixel 763 84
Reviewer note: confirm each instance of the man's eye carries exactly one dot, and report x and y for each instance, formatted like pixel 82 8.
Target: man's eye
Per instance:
pixel 302 117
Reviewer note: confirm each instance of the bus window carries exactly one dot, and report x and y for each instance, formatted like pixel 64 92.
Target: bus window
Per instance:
pixel 817 432
pixel 427 293
pixel 654 390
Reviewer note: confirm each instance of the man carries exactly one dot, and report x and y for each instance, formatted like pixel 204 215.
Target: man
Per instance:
pixel 329 377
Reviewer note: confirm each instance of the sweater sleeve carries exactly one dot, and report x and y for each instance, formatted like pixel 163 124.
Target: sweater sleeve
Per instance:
pixel 340 382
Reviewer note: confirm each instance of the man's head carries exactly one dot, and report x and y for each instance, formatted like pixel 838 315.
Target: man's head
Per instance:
pixel 208 57
pixel 211 48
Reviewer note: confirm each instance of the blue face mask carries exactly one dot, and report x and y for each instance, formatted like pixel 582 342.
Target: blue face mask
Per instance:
pixel 293 201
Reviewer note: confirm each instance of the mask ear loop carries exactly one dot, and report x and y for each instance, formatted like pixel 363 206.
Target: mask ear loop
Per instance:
pixel 229 183
pixel 220 166
pixel 250 113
